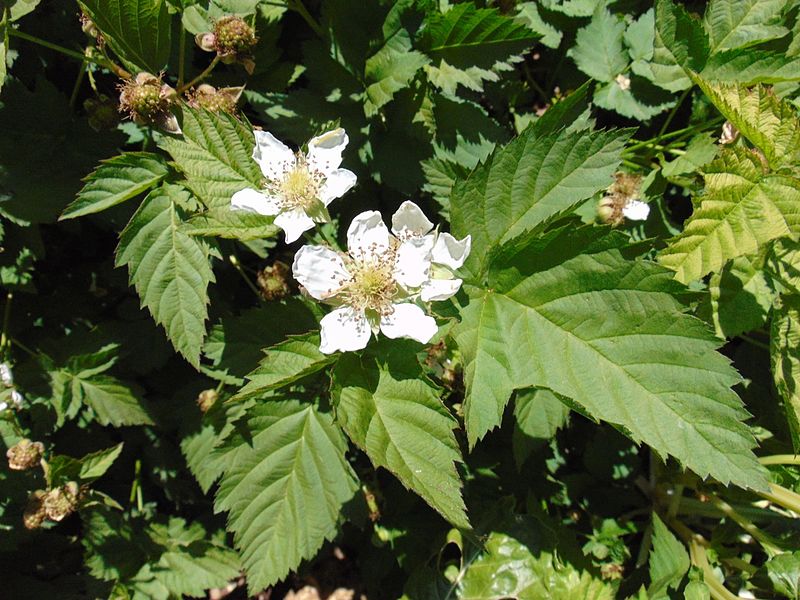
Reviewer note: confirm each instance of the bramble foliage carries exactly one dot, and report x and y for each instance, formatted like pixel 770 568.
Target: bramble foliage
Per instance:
pixel 598 280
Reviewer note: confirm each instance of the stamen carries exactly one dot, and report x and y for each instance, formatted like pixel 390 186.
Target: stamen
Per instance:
pixel 299 187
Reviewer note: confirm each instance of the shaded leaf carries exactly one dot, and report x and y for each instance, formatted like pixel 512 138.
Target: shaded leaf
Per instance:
pixel 785 355
pixel 669 561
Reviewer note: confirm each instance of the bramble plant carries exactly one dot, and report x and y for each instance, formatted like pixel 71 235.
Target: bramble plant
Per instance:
pixel 418 299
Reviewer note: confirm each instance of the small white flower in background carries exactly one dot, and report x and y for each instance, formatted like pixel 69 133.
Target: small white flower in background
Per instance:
pixel 636 210
pixel 299 186
pixel 6 376
pixel 729 133
pixel 14 397
pixel 623 81
pixel 373 285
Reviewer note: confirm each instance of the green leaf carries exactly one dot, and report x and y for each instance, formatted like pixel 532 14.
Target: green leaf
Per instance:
pixel 645 366
pixel 285 364
pixel 743 208
pixel 215 156
pixel 697 590
pixel 114 402
pixel 512 567
pixel 598 49
pixel 700 151
pixel 390 411
pixel 138 31
pixel 530 15
pixel 116 180
pixel 532 179
pixel 284 486
pixel 231 224
pixel 62 469
pixel 170 269
pixel 740 297
pixel 680 44
pixel 640 36
pixel 538 415
pixel 641 101
pixel 785 358
pixel 751 66
pixel 767 122
pixel 669 561
pixel 784 573
pixel 574 8
pixel 741 23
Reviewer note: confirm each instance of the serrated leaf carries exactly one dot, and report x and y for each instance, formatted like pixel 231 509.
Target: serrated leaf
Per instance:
pixel 538 415
pixel 598 49
pixel 532 179
pixel 645 365
pixel 231 224
pixel 114 402
pixel 284 486
pixel 680 44
pixel 529 14
pixel 785 358
pixel 394 414
pixel 742 23
pixel 116 180
pixel 285 364
pixel 574 8
pixel 767 122
pixel 700 151
pixel 751 66
pixel 784 573
pixel 62 469
pixel 640 36
pixel 642 100
pixel 170 269
pixel 215 156
pixel 138 31
pixel 742 209
pixel 669 561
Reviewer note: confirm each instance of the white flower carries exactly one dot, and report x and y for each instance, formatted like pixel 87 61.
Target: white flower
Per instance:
pixel 373 285
pixel 409 223
pixel 299 186
pixel 636 210
pixel 6 376
pixel 623 81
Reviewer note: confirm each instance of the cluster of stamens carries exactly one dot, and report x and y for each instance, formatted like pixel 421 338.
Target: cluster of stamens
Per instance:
pixel 371 286
pixel 299 186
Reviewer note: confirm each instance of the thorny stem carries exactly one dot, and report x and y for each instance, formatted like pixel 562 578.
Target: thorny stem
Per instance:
pixel 206 72
pixel 299 7
pixel 780 459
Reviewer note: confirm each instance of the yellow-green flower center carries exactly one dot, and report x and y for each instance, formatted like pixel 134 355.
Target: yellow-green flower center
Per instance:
pixel 299 187
pixel 372 286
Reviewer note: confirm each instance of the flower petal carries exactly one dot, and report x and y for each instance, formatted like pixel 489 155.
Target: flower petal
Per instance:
pixel 272 155
pixel 254 201
pixel 325 151
pixel 413 264
pixel 294 222
pixel 410 220
pixel 337 184
pixel 320 270
pixel 439 289
pixel 344 329
pixel 450 252
pixel 409 321
pixel 367 236
pixel 636 210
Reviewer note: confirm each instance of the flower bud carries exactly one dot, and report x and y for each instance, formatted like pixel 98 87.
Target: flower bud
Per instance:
pixel 62 501
pixel 34 514
pixel 6 376
pixel 207 399
pixel 273 281
pixel 206 41
pixel 24 455
pixel 233 37
pixel 729 133
pixel 623 81
pixel 147 100
pixel 102 112
pixel 213 99
pixel 621 193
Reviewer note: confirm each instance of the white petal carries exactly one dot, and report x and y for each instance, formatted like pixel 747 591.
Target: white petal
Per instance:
pixel 320 270
pixel 325 151
pixel 3 406
pixel 344 329
pixel 337 184
pixel 409 321
pixel 272 155
pixel 254 201
pixel 16 398
pixel 439 289
pixel 294 222
pixel 413 264
pixel 410 220
pixel 636 210
pixel 367 235
pixel 6 376
pixel 450 252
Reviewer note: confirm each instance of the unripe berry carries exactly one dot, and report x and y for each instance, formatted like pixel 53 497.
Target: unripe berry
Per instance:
pixel 62 501
pixel 34 514
pixel 233 36
pixel 207 399
pixel 213 99
pixel 273 281
pixel 102 112
pixel 147 100
pixel 24 455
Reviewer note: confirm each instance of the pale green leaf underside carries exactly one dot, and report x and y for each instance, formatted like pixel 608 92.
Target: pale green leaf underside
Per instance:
pixel 785 354
pixel 284 486
pixel 170 269
pixel 532 179
pixel 396 417
pixel 598 49
pixel 215 156
pixel 116 180
pixel 741 210
pixel 608 334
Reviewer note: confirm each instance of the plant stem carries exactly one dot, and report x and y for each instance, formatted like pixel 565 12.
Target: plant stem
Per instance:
pixel 234 260
pixel 780 459
pixel 206 72
pixel 700 559
pixel 672 114
pixel 780 495
pixel 300 8
pixel 181 57
pixel 77 87
pixel 754 342
pixel 4 339
pixel 769 544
